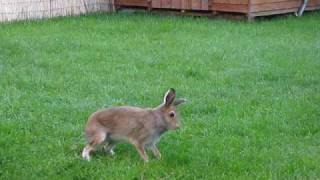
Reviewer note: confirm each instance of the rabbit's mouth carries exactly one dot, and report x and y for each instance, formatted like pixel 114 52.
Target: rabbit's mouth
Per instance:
pixel 177 126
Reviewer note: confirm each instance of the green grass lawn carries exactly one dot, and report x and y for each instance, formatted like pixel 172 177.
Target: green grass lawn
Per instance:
pixel 253 91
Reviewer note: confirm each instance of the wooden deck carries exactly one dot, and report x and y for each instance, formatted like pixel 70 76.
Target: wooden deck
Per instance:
pixel 250 8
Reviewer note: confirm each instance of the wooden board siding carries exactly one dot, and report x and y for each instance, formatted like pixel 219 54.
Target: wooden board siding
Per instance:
pixel 313 5
pixel 262 7
pixel 270 7
pixel 251 8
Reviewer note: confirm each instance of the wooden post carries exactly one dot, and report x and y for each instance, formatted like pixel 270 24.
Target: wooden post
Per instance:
pixel 210 5
pixel 149 5
pixel 250 17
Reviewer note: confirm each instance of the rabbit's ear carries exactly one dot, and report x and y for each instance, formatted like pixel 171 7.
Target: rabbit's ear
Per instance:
pixel 169 97
pixel 179 101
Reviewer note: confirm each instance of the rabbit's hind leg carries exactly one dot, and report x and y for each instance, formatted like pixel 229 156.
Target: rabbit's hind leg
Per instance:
pixel 95 140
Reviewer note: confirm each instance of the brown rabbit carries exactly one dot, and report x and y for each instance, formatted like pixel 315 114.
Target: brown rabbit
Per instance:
pixel 141 127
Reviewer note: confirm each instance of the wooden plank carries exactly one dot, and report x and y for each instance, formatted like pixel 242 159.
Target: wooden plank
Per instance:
pixel 176 4
pixel 195 4
pixel 166 4
pixel 266 13
pixel 241 8
pixel 272 1
pixel 231 1
pixel 278 1
pixel 313 3
pixel 204 4
pixel 156 4
pixel 142 3
pixel 185 4
pixel 312 8
pixel 275 6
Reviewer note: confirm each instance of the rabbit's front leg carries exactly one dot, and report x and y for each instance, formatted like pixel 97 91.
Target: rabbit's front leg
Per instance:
pixel 155 151
pixel 142 151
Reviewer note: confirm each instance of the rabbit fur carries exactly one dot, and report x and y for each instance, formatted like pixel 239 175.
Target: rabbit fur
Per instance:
pixel 142 127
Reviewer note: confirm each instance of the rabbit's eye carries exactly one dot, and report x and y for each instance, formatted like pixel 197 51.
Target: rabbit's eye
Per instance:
pixel 172 114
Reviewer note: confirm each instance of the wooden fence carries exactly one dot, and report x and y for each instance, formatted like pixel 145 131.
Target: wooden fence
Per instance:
pixel 32 9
